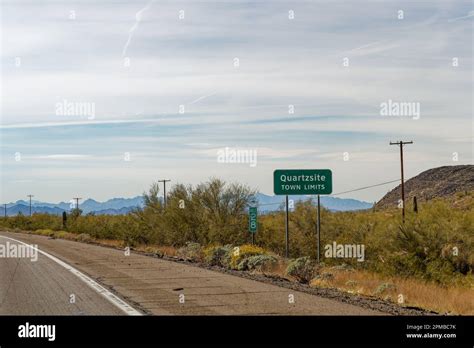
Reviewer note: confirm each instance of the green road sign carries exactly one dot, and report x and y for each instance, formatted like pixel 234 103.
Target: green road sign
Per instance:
pixel 302 181
pixel 253 219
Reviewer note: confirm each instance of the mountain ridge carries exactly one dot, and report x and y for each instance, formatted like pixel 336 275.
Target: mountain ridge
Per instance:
pixel 443 182
pixel 118 206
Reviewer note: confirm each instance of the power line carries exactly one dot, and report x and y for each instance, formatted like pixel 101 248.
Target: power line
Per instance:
pixel 340 193
pixel 366 187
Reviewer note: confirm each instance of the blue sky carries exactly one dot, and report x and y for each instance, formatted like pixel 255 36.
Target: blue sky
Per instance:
pixel 76 52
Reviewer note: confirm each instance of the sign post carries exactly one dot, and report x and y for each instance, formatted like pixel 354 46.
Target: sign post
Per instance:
pixel 318 227
pixel 253 222
pixel 287 230
pixel 302 182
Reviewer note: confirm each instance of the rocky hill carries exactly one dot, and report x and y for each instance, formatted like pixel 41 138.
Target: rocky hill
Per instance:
pixel 437 182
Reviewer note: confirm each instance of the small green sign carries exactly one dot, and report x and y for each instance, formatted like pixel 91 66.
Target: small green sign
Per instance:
pixel 302 181
pixel 253 219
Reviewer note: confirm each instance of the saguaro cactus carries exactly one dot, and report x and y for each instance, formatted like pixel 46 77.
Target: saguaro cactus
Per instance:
pixel 64 219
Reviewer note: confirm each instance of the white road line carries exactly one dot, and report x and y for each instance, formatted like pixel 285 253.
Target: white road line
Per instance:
pixel 115 300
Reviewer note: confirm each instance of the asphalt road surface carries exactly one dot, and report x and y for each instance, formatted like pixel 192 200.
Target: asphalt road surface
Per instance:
pixel 104 281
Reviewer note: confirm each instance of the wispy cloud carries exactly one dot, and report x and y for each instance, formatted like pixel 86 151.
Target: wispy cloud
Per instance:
pixel 372 48
pixel 202 98
pixel 76 123
pixel 63 156
pixel 469 15
pixel 138 19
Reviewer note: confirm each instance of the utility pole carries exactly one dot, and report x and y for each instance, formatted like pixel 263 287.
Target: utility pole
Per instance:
pixel 401 143
pixel 30 202
pixel 77 202
pixel 5 210
pixel 164 181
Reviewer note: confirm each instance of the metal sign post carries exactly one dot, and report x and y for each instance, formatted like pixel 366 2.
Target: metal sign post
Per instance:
pixel 253 222
pixel 302 182
pixel 318 228
pixel 287 230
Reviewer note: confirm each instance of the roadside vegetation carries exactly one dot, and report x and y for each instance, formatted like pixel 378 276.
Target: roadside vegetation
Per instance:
pixel 429 260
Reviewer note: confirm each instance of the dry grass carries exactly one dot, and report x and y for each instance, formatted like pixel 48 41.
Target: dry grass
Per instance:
pixel 115 243
pixel 276 269
pixel 453 300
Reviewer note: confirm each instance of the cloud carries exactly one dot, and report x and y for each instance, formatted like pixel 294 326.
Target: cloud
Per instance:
pixel 469 15
pixel 180 62
pixel 138 19
pixel 202 98
pixel 63 156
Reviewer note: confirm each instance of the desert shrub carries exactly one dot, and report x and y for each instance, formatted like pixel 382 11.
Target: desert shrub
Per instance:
pixel 351 283
pixel 154 251
pixel 383 288
pixel 64 235
pixel 257 263
pixel 45 232
pixel 244 251
pixel 325 275
pixel 191 251
pixel 84 237
pixel 217 255
pixel 302 269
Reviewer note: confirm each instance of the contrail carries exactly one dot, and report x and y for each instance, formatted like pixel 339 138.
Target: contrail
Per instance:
pixel 138 18
pixel 203 97
pixel 365 46
pixel 469 14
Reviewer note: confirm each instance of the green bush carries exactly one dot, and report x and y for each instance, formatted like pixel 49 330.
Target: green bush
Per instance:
pixel 242 252
pixel 383 288
pixel 302 269
pixel 84 237
pixel 191 251
pixel 45 232
pixel 257 263
pixel 218 255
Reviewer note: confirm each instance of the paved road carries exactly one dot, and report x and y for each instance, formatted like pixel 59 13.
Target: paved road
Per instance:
pixel 149 284
pixel 43 287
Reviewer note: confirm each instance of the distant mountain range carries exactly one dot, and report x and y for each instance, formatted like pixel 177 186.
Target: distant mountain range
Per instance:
pixel 119 206
pixel 114 206
pixel 271 203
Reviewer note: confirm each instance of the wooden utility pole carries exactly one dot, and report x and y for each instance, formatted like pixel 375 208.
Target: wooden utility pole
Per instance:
pixel 5 206
pixel 30 202
pixel 77 202
pixel 401 143
pixel 164 190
